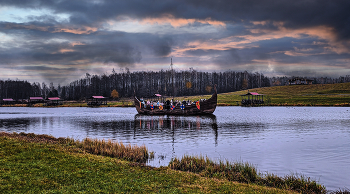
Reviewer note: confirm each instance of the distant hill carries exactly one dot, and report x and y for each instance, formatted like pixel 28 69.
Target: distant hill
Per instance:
pixel 296 95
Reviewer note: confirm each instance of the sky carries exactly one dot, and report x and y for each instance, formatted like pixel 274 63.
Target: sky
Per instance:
pixel 60 41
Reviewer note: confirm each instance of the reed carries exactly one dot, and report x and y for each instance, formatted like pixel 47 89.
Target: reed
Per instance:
pixel 340 191
pixel 118 150
pixel 244 173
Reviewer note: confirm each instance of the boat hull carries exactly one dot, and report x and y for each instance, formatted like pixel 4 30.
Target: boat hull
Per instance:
pixel 205 107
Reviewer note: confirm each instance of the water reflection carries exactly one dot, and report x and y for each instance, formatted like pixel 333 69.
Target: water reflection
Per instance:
pixel 172 123
pixel 16 123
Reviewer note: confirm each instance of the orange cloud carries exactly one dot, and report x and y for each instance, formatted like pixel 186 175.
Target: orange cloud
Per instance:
pixel 77 43
pixel 248 41
pixel 82 30
pixel 66 50
pixel 69 49
pixel 177 22
pixel 220 44
pixel 321 32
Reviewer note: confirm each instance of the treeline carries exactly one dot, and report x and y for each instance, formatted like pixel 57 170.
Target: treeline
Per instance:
pixel 20 90
pixel 169 83
pixel 147 83
pixel 144 83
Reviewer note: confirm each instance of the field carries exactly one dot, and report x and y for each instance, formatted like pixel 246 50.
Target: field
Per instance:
pixel 296 95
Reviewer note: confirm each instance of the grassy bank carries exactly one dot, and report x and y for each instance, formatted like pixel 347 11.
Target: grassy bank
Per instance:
pixel 43 164
pixel 296 95
pixel 32 163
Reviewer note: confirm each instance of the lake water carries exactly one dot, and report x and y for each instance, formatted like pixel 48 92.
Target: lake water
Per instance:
pixel 313 141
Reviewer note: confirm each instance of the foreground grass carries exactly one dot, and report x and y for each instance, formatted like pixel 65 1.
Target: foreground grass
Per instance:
pixel 42 165
pixel 94 146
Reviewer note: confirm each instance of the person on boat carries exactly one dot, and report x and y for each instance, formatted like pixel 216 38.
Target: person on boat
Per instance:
pixel 142 103
pixel 168 103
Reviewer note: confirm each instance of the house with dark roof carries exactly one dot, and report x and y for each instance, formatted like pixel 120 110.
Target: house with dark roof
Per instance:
pixel 300 81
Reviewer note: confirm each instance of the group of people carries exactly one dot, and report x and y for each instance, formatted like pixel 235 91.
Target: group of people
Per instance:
pixel 168 104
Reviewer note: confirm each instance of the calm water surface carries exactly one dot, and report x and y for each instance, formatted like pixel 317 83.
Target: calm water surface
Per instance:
pixel 313 141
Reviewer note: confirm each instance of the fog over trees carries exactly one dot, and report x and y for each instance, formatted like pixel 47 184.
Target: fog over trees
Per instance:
pixel 148 83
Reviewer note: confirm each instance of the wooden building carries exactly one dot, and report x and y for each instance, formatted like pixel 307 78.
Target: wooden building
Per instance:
pixel 97 101
pixel 252 99
pixel 54 101
pixel 7 101
pixel 300 81
pixel 34 100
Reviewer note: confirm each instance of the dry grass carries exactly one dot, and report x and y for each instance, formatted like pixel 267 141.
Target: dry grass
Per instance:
pixel 116 149
pixel 345 191
pixel 244 173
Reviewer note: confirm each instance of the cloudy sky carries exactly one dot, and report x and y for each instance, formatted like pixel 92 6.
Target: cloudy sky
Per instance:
pixel 61 40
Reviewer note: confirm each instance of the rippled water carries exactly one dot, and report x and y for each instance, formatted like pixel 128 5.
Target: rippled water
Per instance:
pixel 313 141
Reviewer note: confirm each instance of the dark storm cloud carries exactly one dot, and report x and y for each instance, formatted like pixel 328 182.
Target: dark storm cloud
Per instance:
pixel 104 47
pixel 295 14
pixel 267 50
pixel 84 37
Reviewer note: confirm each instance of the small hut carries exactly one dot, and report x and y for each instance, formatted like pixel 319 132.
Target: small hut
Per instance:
pixel 252 99
pixel 7 101
pixel 97 101
pixel 34 100
pixel 54 101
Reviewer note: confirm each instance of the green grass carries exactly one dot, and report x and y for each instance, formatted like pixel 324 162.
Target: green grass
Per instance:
pixel 31 164
pixel 110 148
pixel 296 95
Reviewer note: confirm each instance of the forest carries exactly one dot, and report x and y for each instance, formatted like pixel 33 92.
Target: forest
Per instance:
pixel 148 83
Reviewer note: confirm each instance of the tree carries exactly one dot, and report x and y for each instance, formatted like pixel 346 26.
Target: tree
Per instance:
pixel 115 94
pixel 188 85
pixel 208 88
pixel 245 84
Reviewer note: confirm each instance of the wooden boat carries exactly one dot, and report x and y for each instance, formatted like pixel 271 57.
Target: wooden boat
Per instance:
pixel 200 107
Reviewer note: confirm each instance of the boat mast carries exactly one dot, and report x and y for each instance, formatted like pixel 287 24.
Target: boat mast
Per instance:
pixel 172 76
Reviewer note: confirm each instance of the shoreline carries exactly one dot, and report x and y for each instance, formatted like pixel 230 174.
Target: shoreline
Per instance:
pixel 251 181
pixel 219 105
pixel 323 95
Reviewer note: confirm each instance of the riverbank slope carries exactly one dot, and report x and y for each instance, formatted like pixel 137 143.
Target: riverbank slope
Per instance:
pixel 30 165
pixel 295 95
